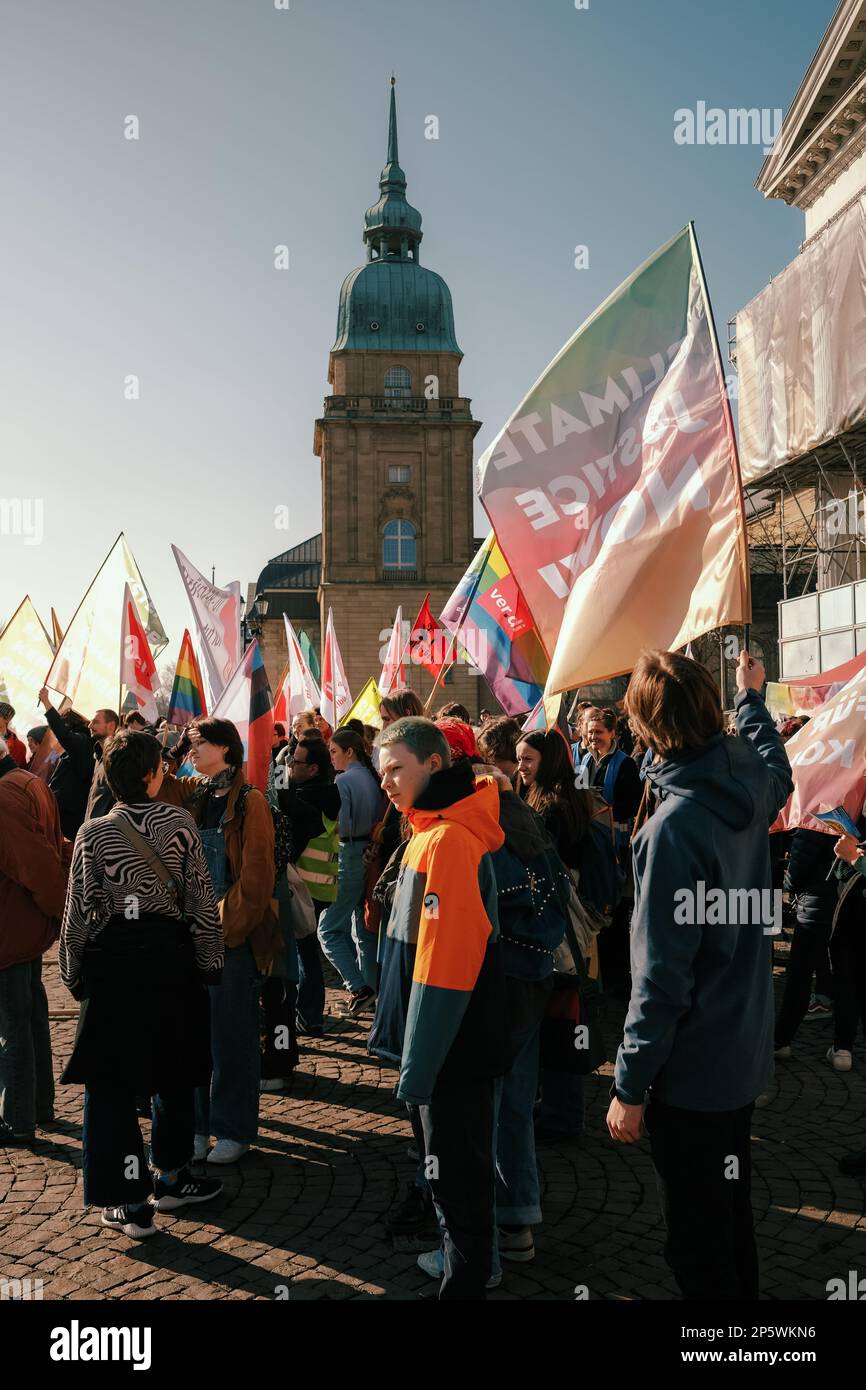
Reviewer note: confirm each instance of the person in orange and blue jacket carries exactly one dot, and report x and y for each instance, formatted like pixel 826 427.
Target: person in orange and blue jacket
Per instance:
pixel 441 1013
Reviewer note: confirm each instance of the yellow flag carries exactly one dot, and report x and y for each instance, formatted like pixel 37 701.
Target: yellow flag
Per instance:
pixel 366 707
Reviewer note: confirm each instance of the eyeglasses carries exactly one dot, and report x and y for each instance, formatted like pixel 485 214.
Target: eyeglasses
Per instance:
pixel 297 762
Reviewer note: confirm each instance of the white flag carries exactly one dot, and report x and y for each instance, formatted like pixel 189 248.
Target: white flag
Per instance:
pixel 393 676
pixel 336 699
pixel 304 693
pixel 217 616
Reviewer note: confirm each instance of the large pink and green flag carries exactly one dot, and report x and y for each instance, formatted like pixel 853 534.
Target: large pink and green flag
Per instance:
pixel 187 693
pixel 488 615
pixel 614 489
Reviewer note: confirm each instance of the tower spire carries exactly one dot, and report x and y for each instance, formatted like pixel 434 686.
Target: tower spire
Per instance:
pixel 393 157
pixel 392 227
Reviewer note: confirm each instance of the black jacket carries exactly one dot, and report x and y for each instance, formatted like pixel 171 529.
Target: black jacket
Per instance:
pixel 304 805
pixel 811 859
pixel 101 798
pixel 73 773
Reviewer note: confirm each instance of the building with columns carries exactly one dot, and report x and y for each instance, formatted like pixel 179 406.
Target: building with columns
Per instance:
pixel 395 441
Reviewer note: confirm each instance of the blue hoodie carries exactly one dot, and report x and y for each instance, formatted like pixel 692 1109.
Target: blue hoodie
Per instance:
pixel 699 1030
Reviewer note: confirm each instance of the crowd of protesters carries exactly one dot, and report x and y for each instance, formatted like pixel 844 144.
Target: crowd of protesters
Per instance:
pixel 477 889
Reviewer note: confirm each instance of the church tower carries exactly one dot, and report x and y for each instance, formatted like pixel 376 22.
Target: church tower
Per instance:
pixel 396 446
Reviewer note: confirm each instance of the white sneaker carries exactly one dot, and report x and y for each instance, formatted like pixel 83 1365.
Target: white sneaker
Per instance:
pixel 274 1085
pixel 783 1052
pixel 200 1147
pixel 227 1151
pixel 433 1263
pixel 840 1058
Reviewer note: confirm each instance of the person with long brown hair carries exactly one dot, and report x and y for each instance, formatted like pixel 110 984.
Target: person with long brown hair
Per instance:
pixel 698 1040
pixel 547 785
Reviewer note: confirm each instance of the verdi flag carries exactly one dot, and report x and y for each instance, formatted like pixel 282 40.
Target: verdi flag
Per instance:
pixel 828 760
pixel 248 703
pixel 309 654
pixel 25 655
pixel 336 699
pixel 393 677
pixel 489 615
pixel 304 693
pixel 217 616
pixel 430 645
pixel 614 490
pixel 86 664
pixel 137 667
pixel 366 707
pixel 187 692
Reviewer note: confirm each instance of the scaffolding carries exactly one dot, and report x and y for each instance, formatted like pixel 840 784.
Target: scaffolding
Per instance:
pixel 815 553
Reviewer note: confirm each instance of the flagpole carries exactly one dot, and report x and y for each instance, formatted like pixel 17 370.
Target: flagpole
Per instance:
pixel 449 662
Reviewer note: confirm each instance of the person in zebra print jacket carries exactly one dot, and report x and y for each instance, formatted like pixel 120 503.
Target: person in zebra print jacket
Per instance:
pixel 140 942
pixel 107 876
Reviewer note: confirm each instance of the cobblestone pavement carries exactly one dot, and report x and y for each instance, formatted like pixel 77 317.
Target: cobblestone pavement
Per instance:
pixel 301 1215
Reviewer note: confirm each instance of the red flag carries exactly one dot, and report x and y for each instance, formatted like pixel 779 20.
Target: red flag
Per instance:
pixel 248 703
pixel 137 666
pixel 281 704
pixel 429 641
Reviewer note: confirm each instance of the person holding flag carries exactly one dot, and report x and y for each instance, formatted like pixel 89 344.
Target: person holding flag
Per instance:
pixel 698 1040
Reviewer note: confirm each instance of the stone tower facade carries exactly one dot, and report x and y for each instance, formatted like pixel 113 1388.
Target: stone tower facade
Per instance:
pixel 396 447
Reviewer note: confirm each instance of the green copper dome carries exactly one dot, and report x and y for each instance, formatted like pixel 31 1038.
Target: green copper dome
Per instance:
pixel 393 303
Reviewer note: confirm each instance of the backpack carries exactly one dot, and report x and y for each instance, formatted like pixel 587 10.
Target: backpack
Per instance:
pixel 532 899
pixel 602 880
pixel 282 835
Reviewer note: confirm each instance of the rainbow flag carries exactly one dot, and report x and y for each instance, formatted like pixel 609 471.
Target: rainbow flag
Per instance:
pixel 494 626
pixel 187 693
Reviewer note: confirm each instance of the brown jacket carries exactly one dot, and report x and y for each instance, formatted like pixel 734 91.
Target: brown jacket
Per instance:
pixel 34 864
pixel 249 910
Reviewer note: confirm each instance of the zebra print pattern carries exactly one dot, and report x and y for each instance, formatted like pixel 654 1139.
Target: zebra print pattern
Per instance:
pixel 107 877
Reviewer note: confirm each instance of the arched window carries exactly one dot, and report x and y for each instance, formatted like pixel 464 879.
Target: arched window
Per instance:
pixel 398 383
pixel 399 545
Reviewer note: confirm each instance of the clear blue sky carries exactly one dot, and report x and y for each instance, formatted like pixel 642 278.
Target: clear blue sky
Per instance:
pixel 261 126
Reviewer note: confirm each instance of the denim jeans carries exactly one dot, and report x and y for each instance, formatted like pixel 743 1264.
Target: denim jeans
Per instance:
pixel 562 1104
pixel 808 955
pixel 26 1075
pixel 311 981
pixel 230 1110
pixel 518 1200
pixel 115 1169
pixel 349 947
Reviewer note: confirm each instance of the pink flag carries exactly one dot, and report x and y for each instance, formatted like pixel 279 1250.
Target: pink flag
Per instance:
pixel 393 676
pixel 828 759
pixel 137 666
pixel 336 699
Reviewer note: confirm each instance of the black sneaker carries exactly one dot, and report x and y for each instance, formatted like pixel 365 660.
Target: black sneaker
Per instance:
pixel 184 1191
pixel 135 1222
pixel 12 1139
pixel 308 1030
pixel 360 1000
pixel 854 1164
pixel 414 1216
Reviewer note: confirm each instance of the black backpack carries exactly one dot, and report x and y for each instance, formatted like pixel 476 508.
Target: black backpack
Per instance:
pixel 283 845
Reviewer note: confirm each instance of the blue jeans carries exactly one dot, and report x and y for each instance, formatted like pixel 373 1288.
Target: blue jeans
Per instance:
pixel 115 1170
pixel 311 981
pixel 518 1199
pixel 349 947
pixel 230 1110
pixel 562 1103
pixel 26 1075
